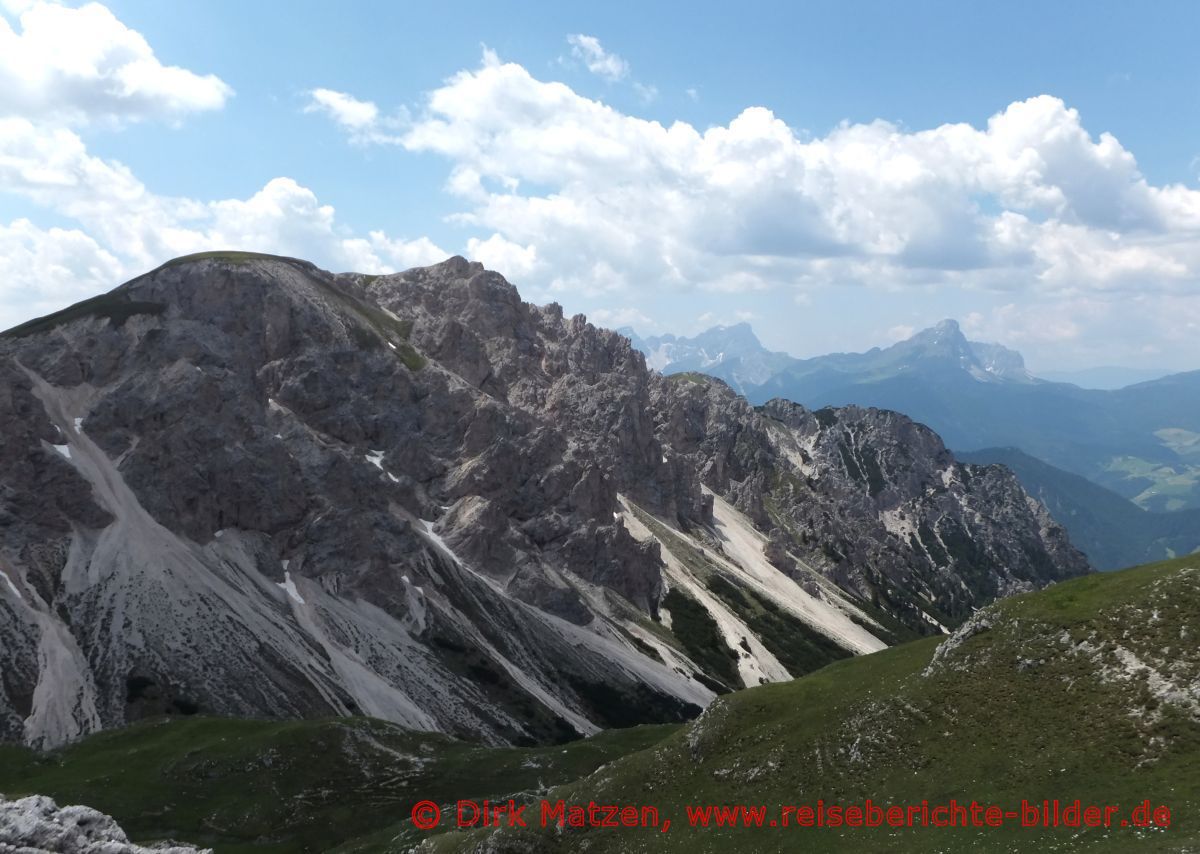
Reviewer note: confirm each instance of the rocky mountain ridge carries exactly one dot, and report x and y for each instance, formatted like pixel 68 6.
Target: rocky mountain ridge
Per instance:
pixel 244 486
pixel 1141 441
pixel 869 499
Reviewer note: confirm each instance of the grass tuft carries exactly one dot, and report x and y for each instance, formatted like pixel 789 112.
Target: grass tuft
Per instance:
pixel 115 306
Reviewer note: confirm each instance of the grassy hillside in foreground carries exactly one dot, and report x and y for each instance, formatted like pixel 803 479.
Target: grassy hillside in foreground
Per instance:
pixel 289 786
pixel 1089 690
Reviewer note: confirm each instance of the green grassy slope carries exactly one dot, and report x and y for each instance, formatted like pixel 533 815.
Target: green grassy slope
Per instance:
pixel 1089 690
pixel 292 786
pixel 1043 702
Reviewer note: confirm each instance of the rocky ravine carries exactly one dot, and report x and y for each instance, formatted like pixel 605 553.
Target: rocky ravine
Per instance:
pixel 241 485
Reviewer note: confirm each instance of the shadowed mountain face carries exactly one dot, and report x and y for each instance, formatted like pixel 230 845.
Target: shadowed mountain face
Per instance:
pixel 1141 441
pixel 241 485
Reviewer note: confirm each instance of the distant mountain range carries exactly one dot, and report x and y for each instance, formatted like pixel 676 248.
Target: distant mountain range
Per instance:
pixel 731 353
pixel 1141 443
pixel 734 354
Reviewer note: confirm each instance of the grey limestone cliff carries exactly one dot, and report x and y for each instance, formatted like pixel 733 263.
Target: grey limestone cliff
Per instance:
pixel 241 485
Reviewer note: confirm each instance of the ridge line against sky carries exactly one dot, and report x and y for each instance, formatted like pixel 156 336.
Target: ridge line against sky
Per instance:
pixel 1028 225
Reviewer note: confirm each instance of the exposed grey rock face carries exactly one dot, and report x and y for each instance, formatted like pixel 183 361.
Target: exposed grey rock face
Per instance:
pixel 37 825
pixel 999 361
pixel 868 498
pixel 249 494
pixel 588 382
pixel 244 486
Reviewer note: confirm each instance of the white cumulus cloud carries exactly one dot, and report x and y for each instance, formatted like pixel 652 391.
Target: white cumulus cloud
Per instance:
pixel 509 259
pixel 602 63
pixel 41 270
pixel 125 228
pixel 63 69
pixel 346 110
pixel 78 65
pixel 1031 201
pixel 361 120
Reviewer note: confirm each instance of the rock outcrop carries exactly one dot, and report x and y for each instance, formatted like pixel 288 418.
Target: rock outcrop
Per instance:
pixel 37 825
pixel 869 499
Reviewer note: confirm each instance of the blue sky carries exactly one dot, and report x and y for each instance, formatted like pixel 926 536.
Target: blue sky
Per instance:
pixel 839 174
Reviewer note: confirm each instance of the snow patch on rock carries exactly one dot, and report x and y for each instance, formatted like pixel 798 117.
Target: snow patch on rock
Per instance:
pixel 289 587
